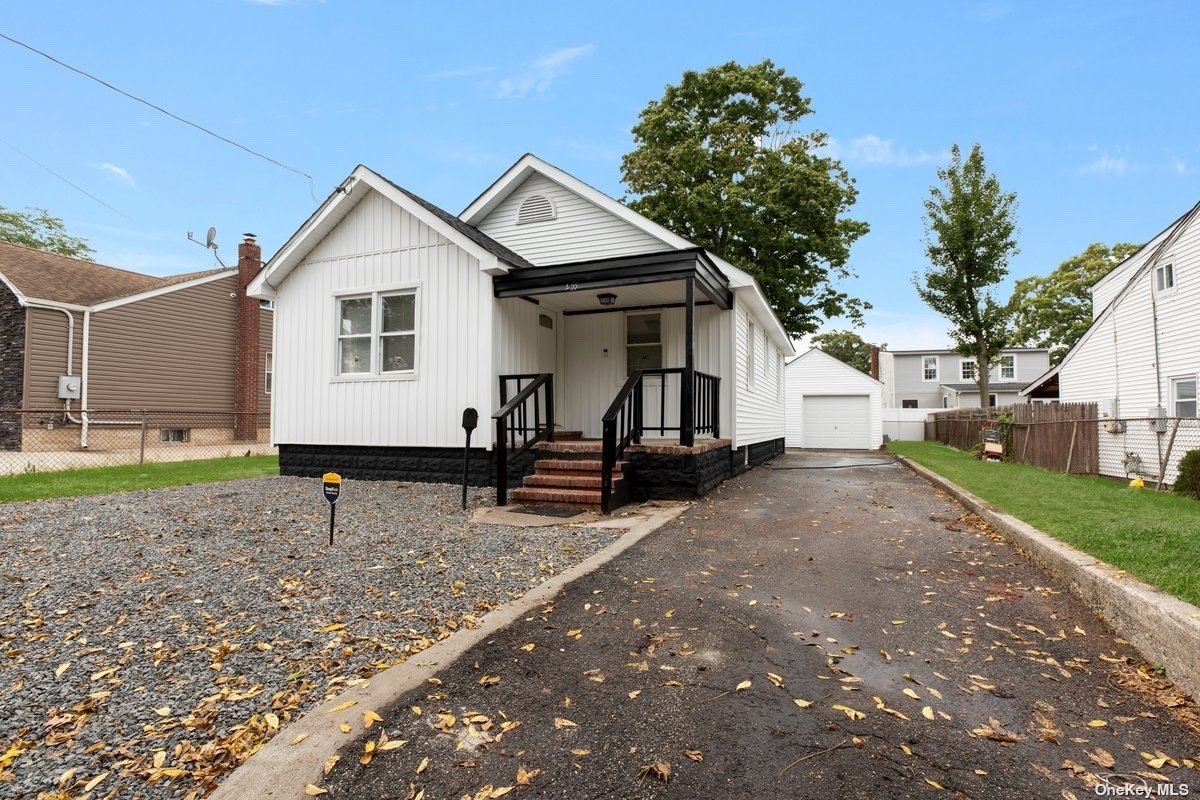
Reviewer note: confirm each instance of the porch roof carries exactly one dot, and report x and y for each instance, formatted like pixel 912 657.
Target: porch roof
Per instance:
pixel 606 273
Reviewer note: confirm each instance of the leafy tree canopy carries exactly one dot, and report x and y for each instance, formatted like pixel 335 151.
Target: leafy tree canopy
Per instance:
pixel 1054 310
pixel 969 229
pixel 36 228
pixel 847 346
pixel 719 161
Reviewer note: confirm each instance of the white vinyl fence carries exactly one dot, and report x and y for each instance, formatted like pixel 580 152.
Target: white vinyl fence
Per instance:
pixel 904 424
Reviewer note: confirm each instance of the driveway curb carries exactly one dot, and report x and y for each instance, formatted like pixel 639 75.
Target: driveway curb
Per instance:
pixel 281 770
pixel 1164 628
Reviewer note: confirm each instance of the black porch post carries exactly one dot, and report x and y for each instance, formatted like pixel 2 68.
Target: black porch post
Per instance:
pixel 687 392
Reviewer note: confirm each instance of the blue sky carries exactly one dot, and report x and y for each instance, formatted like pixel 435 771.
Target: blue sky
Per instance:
pixel 1085 109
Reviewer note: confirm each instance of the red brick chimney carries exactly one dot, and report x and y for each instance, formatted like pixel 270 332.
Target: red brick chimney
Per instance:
pixel 246 358
pixel 874 362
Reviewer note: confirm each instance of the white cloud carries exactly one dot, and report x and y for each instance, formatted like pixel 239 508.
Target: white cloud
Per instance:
pixel 542 72
pixel 460 72
pixel 120 173
pixel 1179 165
pixel 1106 165
pixel 871 150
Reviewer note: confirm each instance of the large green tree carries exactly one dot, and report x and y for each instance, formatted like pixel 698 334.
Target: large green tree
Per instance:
pixel 1054 310
pixel 847 346
pixel 969 228
pixel 36 228
pixel 720 160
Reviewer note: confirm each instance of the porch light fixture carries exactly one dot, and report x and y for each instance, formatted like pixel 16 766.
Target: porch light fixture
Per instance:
pixel 606 298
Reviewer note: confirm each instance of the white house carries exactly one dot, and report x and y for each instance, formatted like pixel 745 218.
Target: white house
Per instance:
pixel 832 405
pixel 1140 358
pixel 632 361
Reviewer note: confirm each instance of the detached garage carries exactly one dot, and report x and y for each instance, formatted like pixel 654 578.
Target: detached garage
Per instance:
pixel 831 405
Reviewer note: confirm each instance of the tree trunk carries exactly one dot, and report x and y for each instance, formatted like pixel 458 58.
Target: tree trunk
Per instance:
pixel 981 374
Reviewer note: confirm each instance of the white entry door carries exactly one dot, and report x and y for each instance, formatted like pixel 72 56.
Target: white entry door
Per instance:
pixel 841 422
pixel 547 341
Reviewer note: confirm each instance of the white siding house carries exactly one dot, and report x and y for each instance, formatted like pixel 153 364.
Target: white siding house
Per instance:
pixel 394 316
pixel 832 405
pixel 1140 358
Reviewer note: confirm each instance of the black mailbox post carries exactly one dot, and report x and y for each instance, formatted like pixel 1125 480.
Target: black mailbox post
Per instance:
pixel 470 421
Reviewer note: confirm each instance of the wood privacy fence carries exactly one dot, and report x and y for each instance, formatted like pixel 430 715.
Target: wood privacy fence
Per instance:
pixel 1056 436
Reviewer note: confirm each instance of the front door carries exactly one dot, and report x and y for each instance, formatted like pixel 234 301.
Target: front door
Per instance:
pixel 547 341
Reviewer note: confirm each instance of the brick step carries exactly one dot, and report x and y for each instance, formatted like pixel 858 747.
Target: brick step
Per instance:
pixel 566 481
pixel 580 466
pixel 567 436
pixel 577 446
pixel 543 495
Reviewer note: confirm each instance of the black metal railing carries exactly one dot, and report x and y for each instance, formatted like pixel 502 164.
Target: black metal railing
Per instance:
pixel 521 422
pixel 625 421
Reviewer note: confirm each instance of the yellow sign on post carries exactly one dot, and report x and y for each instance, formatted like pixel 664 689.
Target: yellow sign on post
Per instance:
pixel 331 484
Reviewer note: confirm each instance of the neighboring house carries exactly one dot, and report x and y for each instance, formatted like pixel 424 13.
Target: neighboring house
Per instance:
pixel 83 344
pixel 1140 358
pixel 946 379
pixel 832 405
pixel 394 316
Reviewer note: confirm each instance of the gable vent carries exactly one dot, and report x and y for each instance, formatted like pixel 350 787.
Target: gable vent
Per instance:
pixel 535 208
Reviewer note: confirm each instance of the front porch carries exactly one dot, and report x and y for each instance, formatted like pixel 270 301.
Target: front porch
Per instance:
pixel 633 354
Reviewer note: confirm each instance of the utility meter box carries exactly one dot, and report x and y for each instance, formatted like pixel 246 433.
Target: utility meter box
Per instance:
pixel 68 387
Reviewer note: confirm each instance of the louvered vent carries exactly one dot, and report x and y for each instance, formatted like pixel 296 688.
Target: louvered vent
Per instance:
pixel 536 208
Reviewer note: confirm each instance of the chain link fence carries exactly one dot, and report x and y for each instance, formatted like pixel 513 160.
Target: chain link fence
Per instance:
pixel 51 440
pixel 1146 447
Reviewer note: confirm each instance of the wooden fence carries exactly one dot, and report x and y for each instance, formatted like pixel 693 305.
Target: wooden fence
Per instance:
pixel 1057 436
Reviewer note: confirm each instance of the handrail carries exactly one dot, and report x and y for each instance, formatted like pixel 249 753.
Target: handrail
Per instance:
pixel 513 417
pixel 625 414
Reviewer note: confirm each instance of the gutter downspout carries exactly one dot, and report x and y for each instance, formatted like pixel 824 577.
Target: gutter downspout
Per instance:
pixel 83 399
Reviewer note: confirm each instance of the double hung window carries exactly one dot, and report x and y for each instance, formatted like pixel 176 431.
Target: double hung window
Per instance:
pixel 377 333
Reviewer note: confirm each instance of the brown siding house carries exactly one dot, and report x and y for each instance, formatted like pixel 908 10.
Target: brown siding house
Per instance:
pixel 138 346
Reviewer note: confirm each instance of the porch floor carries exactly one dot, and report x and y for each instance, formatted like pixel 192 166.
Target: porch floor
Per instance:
pixel 665 446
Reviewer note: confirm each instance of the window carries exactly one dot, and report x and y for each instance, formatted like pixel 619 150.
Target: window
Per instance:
pixel 643 342
pixel 268 305
pixel 173 435
pixel 1164 277
pixel 1008 367
pixel 751 350
pixel 991 401
pixel 1183 397
pixel 929 368
pixel 377 333
pixel 969 369
pixel 268 373
pixel 945 401
pixel 908 403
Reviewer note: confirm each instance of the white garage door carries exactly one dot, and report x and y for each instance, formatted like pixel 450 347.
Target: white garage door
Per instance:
pixel 840 422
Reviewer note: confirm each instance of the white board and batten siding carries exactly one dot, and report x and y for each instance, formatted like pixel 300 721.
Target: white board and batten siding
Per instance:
pixel 580 230
pixel 1115 364
pixel 377 247
pixel 831 405
pixel 759 409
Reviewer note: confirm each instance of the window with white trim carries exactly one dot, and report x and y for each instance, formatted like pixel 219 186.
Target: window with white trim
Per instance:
pixel 268 372
pixel 1183 396
pixel 751 351
pixel 929 368
pixel 968 369
pixel 377 333
pixel 992 400
pixel 1008 367
pixel 643 342
pixel 1164 277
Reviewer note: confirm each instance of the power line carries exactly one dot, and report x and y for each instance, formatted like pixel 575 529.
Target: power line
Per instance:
pixel 160 109
pixel 64 180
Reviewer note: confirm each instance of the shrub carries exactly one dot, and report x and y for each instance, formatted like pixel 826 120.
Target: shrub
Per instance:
pixel 1187 483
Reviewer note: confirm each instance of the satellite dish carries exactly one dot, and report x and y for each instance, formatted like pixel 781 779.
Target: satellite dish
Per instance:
pixel 212 238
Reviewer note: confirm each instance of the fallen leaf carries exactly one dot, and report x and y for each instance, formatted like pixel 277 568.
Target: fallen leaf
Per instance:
pixel 1102 757
pixel 61 669
pixel 935 784
pixel 1098 723
pixel 299 738
pixel 489 680
pixel 393 744
pixel 562 722
pixel 694 755
pixel 526 776
pixel 342 706
pixel 344 727
pixel 741 687
pixel 581 752
pixel 657 769
pixel 272 720
pixel 368 751
pixel 634 694
pixel 911 693
pixel 927 713
pixel 802 703
pixel 94 782
pixel 165 711
pixel 499 791
pixel 775 679
pixel 423 765
pixel 329 763
pixel 370 718
pixel 850 712
pixel 528 648
pixel 314 791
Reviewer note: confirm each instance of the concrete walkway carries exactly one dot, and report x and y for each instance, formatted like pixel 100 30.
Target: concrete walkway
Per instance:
pixel 827 626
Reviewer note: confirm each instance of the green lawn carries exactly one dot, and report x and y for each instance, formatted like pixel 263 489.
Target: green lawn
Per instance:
pixel 1153 536
pixel 102 480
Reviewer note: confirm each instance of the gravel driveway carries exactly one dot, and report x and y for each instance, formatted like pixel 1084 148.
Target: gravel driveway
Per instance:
pixel 152 641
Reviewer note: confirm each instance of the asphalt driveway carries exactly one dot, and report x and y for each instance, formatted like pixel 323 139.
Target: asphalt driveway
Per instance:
pixel 826 626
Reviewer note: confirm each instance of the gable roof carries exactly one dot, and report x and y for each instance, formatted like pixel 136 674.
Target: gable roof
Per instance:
pixel 828 357
pixel 342 201
pixel 530 164
pixel 37 275
pixel 1167 237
